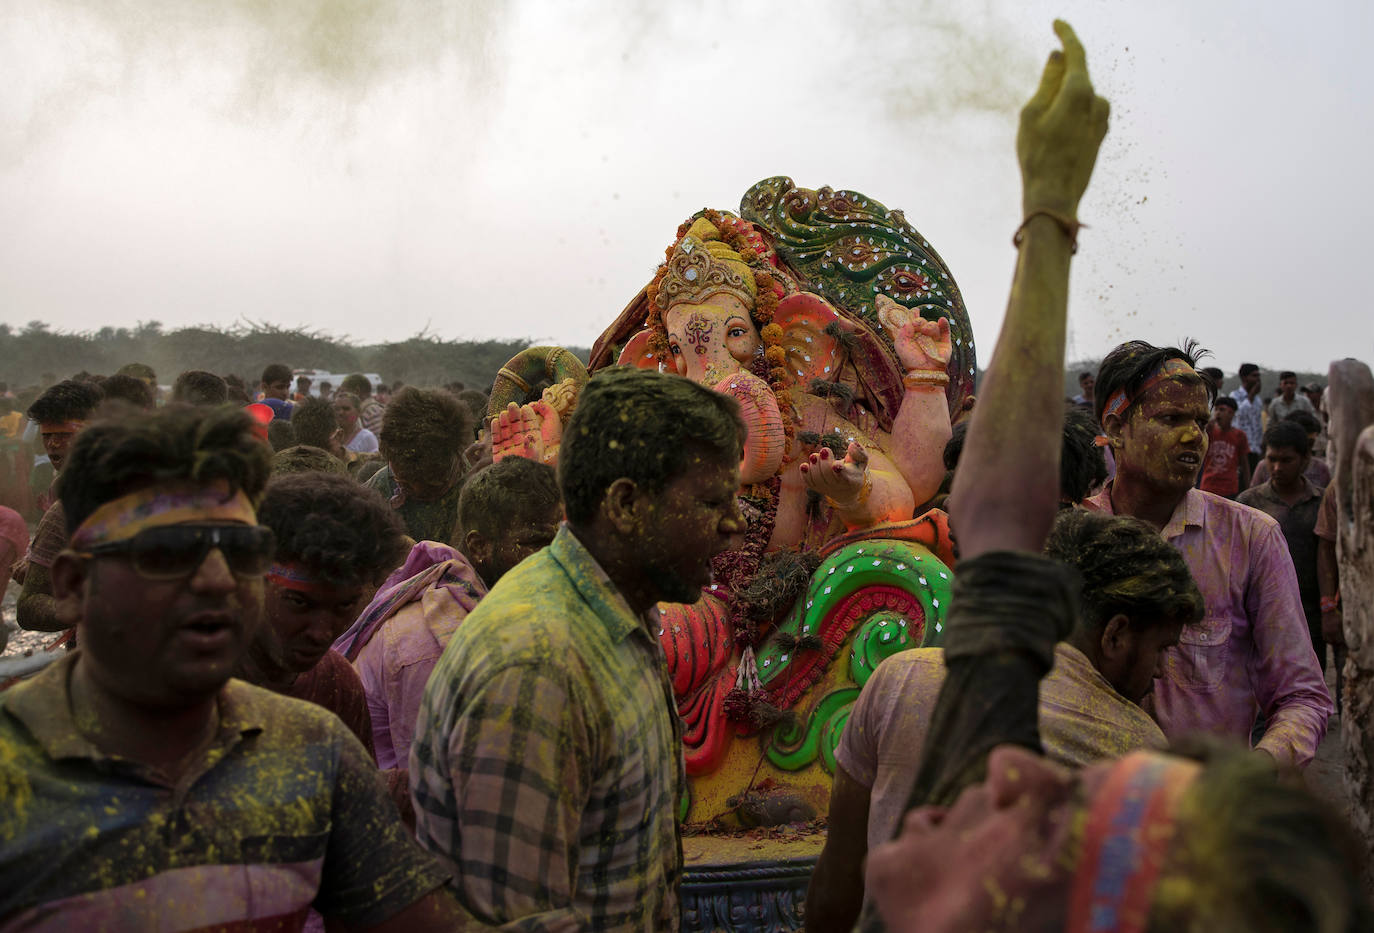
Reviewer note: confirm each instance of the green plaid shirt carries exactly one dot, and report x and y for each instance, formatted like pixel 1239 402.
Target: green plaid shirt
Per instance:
pixel 547 762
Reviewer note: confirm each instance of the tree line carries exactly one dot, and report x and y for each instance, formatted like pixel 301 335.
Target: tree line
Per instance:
pixel 37 353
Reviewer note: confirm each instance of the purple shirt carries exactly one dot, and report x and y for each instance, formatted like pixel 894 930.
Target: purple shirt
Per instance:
pixel 401 635
pixel 1251 652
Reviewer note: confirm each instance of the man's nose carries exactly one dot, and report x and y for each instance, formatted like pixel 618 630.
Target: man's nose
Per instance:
pixel 214 574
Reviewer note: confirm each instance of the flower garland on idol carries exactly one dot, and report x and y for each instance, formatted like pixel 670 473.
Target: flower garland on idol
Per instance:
pixel 739 262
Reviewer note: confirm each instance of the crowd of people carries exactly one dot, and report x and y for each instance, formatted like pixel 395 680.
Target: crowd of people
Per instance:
pixel 331 666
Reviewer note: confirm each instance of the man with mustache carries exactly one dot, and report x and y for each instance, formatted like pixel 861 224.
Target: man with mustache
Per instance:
pixel 143 788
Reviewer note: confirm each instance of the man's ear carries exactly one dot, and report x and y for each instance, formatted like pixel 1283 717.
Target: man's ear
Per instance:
pixel 1118 641
pixel 1112 426
pixel 620 505
pixel 476 548
pixel 68 575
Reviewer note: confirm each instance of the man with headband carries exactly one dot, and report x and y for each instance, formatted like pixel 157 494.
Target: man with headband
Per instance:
pixel 997 837
pixel 60 413
pixel 143 789
pixel 1251 655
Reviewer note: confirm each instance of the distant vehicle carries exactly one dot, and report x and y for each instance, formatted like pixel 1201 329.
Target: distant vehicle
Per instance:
pixel 316 376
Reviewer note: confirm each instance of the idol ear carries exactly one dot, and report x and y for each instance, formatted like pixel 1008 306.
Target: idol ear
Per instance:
pixel 810 335
pixel 637 353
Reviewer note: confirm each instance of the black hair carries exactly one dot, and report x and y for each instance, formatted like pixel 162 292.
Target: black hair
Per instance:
pixel 1124 567
pixel 128 389
pixel 1287 433
pixel 340 532
pixel 280 434
pixel 1082 467
pixel 314 422
pixel 138 371
pixel 425 428
pixel 1306 419
pixel 1288 374
pixel 68 400
pixel 1130 364
pixel 304 459
pixel 1225 401
pixel 358 384
pixel 1082 376
pixel 476 400
pixel 119 455
pixel 641 425
pixel 276 372
pixel 1247 368
pixel 512 491
pixel 954 447
pixel 198 387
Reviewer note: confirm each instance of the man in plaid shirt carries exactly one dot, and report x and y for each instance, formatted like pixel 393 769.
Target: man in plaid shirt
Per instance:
pixel 547 762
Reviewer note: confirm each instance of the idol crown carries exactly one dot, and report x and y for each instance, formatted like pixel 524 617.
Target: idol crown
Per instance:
pixel 694 274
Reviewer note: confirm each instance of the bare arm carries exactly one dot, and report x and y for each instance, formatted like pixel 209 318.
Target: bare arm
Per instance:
pixel 1329 584
pixel 1019 406
pixel 836 891
pixel 36 609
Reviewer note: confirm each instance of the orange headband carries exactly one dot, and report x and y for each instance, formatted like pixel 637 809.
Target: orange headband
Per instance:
pixel 1120 401
pixel 122 518
pixel 1129 829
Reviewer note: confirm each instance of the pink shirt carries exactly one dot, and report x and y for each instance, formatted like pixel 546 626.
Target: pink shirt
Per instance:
pixel 395 666
pixel 1251 652
pixel 1082 720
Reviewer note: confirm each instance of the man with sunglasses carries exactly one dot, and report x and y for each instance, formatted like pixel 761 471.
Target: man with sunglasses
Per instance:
pixel 143 788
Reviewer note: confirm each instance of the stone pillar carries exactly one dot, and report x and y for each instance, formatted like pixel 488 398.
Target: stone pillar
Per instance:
pixel 1351 454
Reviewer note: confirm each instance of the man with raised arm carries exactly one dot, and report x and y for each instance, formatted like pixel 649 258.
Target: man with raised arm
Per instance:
pixel 998 838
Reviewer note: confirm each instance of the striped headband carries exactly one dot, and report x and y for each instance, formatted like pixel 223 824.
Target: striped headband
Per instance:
pixel 122 518
pixel 289 576
pixel 1130 826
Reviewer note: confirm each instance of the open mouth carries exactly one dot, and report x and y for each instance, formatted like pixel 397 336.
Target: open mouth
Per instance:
pixel 1190 459
pixel 210 629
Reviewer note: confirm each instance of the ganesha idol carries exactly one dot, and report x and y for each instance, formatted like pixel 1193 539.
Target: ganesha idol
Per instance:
pixel 845 341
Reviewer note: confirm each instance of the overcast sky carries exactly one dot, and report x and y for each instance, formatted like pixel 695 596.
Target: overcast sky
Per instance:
pixel 372 168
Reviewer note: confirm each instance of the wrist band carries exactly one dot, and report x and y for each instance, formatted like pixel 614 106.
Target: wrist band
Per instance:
pixel 1330 602
pixel 1067 224
pixel 925 377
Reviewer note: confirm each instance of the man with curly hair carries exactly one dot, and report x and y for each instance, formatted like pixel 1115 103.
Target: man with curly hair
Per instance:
pixel 177 797
pixel 336 541
pixel 422 440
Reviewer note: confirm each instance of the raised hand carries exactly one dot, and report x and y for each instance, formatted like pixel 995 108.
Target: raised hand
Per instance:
pixel 1061 129
pixel 534 431
pixel 920 344
pixel 531 431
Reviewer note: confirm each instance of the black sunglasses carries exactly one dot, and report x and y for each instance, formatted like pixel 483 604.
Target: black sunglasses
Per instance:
pixel 169 552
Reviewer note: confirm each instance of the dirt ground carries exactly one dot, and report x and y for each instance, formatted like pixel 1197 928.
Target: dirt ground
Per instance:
pixel 1324 774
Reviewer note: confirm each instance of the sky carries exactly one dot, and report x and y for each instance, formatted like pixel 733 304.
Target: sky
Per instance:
pixel 374 169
